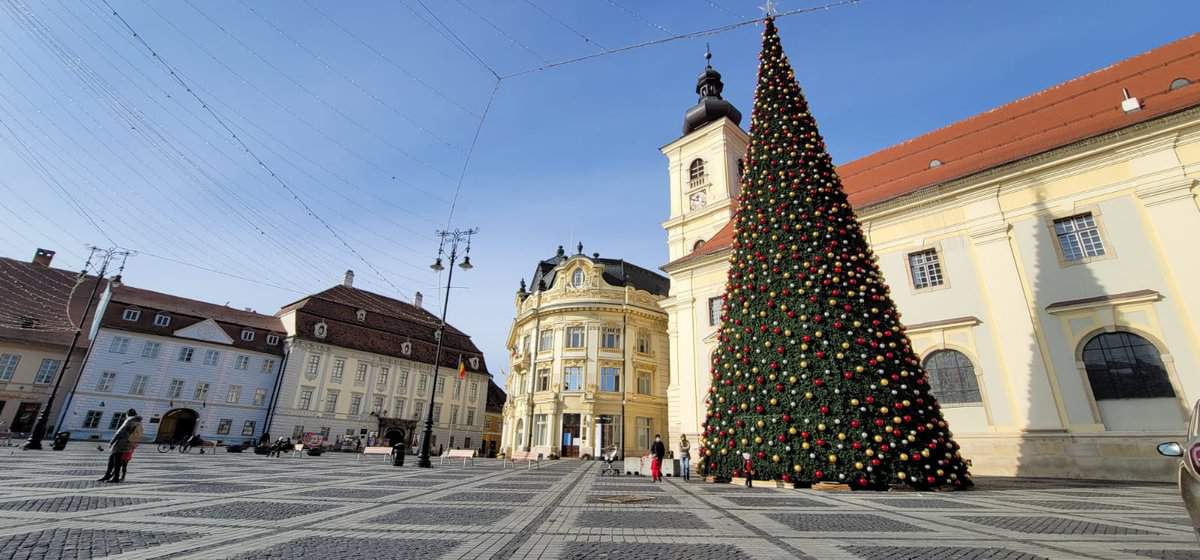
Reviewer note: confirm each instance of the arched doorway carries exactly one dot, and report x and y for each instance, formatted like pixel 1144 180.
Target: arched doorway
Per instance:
pixel 394 436
pixel 176 424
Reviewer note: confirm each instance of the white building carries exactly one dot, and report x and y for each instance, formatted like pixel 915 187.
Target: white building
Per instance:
pixel 360 365
pixel 185 365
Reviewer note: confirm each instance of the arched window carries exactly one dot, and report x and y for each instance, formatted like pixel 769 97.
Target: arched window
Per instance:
pixel 698 245
pixel 696 170
pixel 577 278
pixel 1122 365
pixel 952 377
pixel 520 434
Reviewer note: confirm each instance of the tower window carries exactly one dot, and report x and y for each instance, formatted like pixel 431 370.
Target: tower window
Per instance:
pixel 577 278
pixel 696 175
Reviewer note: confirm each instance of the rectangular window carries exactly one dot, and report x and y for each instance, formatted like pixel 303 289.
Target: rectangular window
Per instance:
pixel 268 366
pixel 1079 237
pixel 610 338
pixel 402 380
pixel 46 371
pixel 131 315
pixel 119 345
pixel 457 388
pixel 925 269
pixel 525 344
pixel 422 384
pixel 260 396
pixel 243 362
pixel 314 364
pixel 645 382
pixel 150 349
pixel 339 367
pixel 324 431
pixel 360 374
pixel 453 414
pixel 117 419
pixel 440 388
pixel 185 354
pixel 574 338
pixel 543 380
pixel 92 420
pixel 139 385
pixel 176 389
pixel 610 379
pixel 297 431
pixel 272 339
pixel 437 413
pixel 643 342
pixel 355 404
pixel 201 392
pixel 643 432
pixel 162 320
pixel 211 357
pixel 235 394
pixel 223 426
pixel 545 341
pixel 305 399
pixel 418 409
pixel 473 391
pixel 398 410
pixel 107 379
pixel 573 378
pixel 248 428
pixel 714 311
pixel 382 379
pixel 331 398
pixel 8 365
pixel 247 335
pixel 377 408
pixel 540 424
pixel 470 416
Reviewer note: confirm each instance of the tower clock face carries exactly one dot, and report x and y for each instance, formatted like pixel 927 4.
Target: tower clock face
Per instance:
pixel 696 200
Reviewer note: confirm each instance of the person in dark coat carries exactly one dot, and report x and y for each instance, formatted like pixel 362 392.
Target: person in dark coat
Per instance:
pixel 121 447
pixel 659 451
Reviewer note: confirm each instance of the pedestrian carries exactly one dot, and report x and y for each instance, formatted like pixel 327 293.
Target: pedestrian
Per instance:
pixel 658 451
pixel 748 465
pixel 121 447
pixel 685 456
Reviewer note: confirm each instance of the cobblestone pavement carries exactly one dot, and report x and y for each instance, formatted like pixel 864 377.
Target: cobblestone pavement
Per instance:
pixel 334 507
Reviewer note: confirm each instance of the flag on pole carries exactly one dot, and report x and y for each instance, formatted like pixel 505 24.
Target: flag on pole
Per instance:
pixel 462 368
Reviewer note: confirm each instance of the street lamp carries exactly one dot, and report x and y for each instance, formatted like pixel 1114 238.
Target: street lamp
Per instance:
pixel 39 427
pixel 453 238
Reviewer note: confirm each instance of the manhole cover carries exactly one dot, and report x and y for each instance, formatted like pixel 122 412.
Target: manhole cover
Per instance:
pixel 625 499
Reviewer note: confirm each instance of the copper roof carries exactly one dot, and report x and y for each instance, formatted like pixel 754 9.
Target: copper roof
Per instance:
pixel 1084 107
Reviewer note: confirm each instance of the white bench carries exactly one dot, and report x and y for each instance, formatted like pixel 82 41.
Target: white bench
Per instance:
pixel 529 457
pixel 298 450
pixel 464 454
pixel 385 451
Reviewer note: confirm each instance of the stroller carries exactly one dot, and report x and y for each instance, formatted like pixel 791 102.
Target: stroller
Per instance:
pixel 610 456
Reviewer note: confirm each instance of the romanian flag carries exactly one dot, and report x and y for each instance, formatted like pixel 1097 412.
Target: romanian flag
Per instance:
pixel 462 368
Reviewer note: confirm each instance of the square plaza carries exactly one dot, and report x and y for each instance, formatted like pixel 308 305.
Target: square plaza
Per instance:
pixel 333 506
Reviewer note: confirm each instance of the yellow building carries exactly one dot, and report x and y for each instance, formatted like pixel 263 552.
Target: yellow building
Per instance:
pixel 1042 255
pixel 589 359
pixel 493 420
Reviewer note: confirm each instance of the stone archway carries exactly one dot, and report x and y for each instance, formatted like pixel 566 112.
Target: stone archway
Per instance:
pixel 177 424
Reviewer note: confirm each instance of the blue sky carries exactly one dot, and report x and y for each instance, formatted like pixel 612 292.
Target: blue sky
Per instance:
pixel 366 110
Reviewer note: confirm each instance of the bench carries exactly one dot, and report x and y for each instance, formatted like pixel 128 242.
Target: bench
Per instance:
pixel 298 450
pixel 206 444
pixel 529 457
pixel 464 454
pixel 385 451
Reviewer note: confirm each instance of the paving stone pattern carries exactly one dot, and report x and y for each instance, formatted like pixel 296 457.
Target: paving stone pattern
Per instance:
pixel 190 507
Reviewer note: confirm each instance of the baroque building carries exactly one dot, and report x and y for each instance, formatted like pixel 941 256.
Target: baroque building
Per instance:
pixel 589 359
pixel 1038 253
pixel 361 364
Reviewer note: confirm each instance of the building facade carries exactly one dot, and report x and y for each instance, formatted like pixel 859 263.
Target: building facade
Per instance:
pixel 1039 253
pixel 187 367
pixel 589 359
pixel 360 366
pixel 493 421
pixel 35 335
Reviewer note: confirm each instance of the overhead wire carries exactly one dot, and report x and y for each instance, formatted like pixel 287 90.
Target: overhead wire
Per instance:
pixel 453 37
pixel 637 16
pixel 501 31
pixel 555 19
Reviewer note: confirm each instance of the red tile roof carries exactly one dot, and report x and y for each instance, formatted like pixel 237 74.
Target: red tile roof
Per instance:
pixel 1084 107
pixel 33 303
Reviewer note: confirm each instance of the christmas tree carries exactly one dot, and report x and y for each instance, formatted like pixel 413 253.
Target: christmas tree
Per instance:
pixel 813 379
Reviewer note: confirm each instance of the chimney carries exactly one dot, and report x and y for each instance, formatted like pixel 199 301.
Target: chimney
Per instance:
pixel 43 257
pixel 418 298
pixel 349 280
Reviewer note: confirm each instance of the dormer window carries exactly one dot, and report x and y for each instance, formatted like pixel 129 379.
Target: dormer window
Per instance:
pixel 697 200
pixel 698 245
pixel 272 339
pixel 320 330
pixel 474 362
pixel 577 278
pixel 247 335
pixel 406 348
pixel 696 176
pixel 162 320
pixel 131 314
pixel 361 315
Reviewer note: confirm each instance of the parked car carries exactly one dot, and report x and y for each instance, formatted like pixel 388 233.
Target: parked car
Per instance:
pixel 1189 466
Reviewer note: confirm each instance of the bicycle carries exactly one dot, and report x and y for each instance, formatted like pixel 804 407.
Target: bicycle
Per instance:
pixel 183 446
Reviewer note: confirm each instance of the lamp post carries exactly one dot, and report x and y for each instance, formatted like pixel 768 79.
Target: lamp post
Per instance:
pixel 39 427
pixel 453 238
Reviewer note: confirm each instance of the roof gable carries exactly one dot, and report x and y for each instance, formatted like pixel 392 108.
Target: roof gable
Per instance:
pixel 207 330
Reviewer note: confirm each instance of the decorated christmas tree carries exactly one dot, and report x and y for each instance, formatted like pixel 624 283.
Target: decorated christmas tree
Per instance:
pixel 814 379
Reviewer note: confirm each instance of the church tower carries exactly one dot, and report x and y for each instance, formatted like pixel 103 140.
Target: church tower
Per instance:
pixel 704 167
